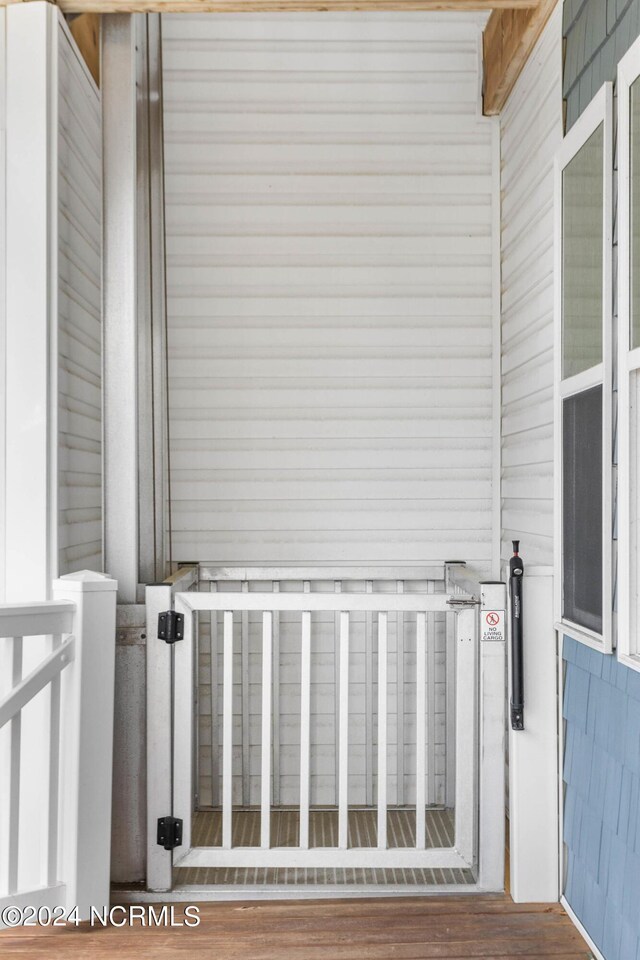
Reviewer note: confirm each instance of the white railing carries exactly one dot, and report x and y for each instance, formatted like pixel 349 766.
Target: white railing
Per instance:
pixel 57 694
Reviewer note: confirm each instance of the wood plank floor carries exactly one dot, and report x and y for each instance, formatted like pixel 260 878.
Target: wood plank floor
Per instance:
pixel 389 929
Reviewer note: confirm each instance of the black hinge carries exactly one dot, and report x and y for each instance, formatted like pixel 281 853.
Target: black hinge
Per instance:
pixel 169 832
pixel 170 626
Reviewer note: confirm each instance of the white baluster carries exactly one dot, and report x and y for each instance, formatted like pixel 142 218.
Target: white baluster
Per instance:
pixel 343 750
pixel 305 728
pixel 227 731
pixel 421 721
pixel 382 731
pixel 267 667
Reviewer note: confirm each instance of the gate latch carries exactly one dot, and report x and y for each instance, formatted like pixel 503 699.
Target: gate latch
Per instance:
pixel 169 832
pixel 170 626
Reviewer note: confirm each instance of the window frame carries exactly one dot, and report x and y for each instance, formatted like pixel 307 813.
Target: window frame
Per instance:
pixel 599 112
pixel 628 364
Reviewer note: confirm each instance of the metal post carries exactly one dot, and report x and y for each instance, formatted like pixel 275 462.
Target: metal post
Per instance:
pixel 118 83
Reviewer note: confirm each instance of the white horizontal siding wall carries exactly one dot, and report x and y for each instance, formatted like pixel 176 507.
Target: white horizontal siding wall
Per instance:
pixel 329 268
pixel 531 131
pixel 79 313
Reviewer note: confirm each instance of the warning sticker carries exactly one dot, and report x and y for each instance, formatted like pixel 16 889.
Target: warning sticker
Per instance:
pixel 492 625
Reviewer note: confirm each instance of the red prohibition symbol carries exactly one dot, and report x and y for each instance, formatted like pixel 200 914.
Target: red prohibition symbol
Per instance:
pixel 493 619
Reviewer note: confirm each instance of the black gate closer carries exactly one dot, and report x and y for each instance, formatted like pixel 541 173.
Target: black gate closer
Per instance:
pixel 516 571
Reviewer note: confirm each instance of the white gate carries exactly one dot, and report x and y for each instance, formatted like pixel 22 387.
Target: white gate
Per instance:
pixel 476 842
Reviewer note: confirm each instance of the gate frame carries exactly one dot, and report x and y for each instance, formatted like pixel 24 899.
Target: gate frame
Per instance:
pixel 488 711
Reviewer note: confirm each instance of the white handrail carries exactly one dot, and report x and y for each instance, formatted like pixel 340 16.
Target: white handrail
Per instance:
pixel 67 865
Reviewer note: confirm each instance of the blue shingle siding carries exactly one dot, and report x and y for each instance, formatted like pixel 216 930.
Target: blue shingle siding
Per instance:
pixel 602 798
pixel 597 33
pixel 601 697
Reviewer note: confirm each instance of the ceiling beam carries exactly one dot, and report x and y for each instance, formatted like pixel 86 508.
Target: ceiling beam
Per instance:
pixel 509 38
pixel 85 30
pixel 240 6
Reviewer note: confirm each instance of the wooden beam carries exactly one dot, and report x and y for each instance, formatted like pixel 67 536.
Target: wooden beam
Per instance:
pixel 85 29
pixel 257 6
pixel 509 38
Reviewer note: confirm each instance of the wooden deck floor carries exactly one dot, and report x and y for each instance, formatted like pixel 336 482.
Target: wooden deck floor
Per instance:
pixel 390 929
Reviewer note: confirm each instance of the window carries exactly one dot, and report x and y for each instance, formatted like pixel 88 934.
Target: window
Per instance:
pixel 584 178
pixel 628 356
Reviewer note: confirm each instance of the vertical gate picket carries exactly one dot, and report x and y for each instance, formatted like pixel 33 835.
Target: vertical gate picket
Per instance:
pixel 305 728
pixel 213 667
pixel 382 731
pixel 343 750
pixel 421 739
pixel 400 700
pixel 265 781
pixel 245 648
pixel 227 731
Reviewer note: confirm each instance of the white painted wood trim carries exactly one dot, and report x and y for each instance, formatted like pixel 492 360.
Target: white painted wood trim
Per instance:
pixel 87 695
pixel 31 534
pixel 533 767
pixel 628 363
pixel 599 111
pixel 581 930
pixel 35 619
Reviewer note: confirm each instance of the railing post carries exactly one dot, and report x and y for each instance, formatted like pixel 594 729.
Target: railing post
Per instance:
pixel 492 736
pixel 87 738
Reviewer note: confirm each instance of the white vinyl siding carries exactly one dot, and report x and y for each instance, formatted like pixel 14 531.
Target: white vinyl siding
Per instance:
pixel 531 131
pixel 329 269
pixel 79 312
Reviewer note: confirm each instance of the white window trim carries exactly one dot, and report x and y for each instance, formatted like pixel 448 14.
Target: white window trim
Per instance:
pixel 599 111
pixel 628 362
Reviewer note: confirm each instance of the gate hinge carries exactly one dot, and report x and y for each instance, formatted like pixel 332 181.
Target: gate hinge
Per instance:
pixel 169 832
pixel 170 626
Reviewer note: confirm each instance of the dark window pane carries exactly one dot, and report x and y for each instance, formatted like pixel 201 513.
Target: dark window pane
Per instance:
pixel 582 501
pixel 582 213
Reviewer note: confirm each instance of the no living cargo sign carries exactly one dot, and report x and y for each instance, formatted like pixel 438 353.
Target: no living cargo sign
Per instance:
pixel 492 625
